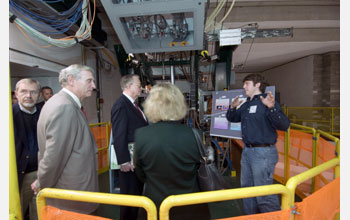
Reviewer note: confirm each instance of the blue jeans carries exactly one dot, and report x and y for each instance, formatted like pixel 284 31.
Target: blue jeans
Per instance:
pixel 257 168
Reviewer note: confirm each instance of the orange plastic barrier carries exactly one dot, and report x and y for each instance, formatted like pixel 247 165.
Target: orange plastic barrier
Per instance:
pixel 279 169
pixel 53 213
pixel 300 159
pixel 101 139
pixel 322 204
pixel 326 152
pixel 279 215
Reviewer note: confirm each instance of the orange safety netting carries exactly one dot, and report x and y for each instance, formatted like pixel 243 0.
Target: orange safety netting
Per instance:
pixel 53 213
pixel 279 215
pixel 101 139
pixel 300 159
pixel 326 152
pixel 323 204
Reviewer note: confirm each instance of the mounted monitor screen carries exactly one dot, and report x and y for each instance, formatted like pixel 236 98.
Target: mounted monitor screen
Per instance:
pixel 221 101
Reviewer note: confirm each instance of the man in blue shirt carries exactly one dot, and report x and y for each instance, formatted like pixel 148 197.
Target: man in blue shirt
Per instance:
pixel 260 117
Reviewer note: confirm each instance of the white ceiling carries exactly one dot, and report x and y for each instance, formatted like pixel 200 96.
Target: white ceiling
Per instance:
pixel 315 23
pixel 22 71
pixel 316 30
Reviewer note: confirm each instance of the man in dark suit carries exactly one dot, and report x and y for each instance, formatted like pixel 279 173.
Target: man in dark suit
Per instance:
pixel 46 93
pixel 126 117
pixel 25 118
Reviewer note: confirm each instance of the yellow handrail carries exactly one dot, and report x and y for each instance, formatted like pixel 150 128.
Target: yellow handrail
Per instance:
pixel 294 181
pixel 97 124
pixel 14 200
pixel 337 148
pixel 314 147
pixel 105 198
pixel 329 116
pixel 222 195
pixel 286 155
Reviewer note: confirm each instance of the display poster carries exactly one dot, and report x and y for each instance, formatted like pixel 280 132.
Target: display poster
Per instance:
pixel 221 101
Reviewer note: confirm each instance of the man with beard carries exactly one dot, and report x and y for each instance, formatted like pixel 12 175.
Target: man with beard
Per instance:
pixel 25 118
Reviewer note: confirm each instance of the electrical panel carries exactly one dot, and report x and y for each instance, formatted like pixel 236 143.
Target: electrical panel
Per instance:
pixel 157 25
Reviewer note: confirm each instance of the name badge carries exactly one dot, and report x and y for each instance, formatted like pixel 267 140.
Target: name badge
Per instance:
pixel 252 109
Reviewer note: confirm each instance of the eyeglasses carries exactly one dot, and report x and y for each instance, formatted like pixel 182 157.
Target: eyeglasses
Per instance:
pixel 24 92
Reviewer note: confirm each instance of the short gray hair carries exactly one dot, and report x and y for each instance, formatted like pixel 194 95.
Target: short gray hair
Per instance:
pixel 126 80
pixel 165 102
pixel 73 70
pixel 28 81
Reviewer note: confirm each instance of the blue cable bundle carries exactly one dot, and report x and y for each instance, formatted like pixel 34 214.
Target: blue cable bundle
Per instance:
pixel 44 22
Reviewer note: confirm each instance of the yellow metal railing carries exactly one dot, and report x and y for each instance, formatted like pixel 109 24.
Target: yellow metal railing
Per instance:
pixel 337 148
pixel 291 184
pixel 14 200
pixel 288 194
pixel 102 148
pixel 296 180
pixel 314 146
pixel 288 191
pixel 95 197
pixel 322 118
pixel 286 155
pixel 223 195
pixel 316 137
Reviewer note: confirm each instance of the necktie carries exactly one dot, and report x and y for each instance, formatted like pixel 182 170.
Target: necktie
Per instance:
pixel 138 109
pixel 82 109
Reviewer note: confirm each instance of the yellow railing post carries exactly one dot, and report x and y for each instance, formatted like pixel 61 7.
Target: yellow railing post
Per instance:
pixel 223 195
pixel 286 155
pixel 302 177
pixel 96 197
pixel 315 139
pixel 297 179
pixel 300 115
pixel 14 199
pixel 332 121
pixel 314 147
pixel 337 148
pixel 337 168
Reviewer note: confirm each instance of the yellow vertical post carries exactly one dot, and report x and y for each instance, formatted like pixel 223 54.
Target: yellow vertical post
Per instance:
pixel 14 200
pixel 107 136
pixel 337 150
pixel 332 120
pixel 40 204
pixel 286 154
pixel 315 138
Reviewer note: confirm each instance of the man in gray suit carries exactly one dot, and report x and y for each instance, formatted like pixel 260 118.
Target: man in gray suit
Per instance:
pixel 67 149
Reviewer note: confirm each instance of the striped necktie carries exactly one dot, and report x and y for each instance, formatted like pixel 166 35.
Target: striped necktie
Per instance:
pixel 139 110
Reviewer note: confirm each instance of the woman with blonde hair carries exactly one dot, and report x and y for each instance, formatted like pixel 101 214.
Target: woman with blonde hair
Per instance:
pixel 166 153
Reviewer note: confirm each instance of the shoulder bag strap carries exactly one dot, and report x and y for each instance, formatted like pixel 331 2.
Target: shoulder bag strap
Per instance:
pixel 200 144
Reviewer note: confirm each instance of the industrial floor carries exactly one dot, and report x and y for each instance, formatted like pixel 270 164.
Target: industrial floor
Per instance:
pixel 218 210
